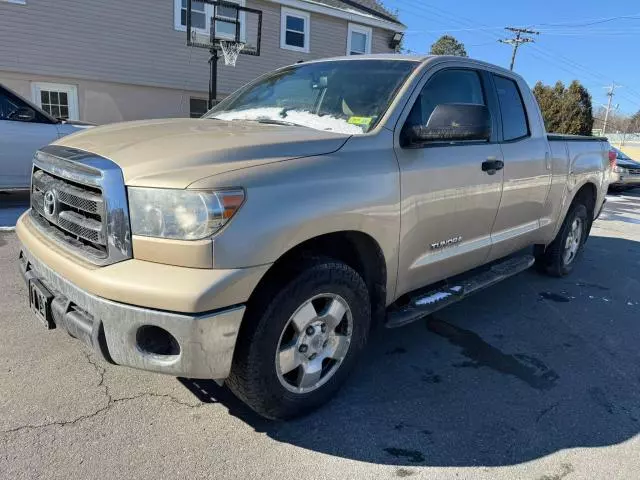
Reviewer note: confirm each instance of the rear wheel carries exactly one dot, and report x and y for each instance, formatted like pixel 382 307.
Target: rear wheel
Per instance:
pixel 299 345
pixel 560 256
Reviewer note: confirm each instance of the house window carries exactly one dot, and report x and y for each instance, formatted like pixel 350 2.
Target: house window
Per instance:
pixel 358 40
pixel 198 107
pixel 294 30
pixel 59 101
pixel 199 17
pixel 201 14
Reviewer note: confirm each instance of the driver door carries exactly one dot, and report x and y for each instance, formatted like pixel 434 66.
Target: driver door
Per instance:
pixel 449 203
pixel 19 140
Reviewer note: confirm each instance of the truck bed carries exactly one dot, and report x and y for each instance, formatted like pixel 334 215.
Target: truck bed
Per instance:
pixel 559 137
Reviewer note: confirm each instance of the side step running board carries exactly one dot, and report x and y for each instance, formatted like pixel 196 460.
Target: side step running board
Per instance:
pixel 424 304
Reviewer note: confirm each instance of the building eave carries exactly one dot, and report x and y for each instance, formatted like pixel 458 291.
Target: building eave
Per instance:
pixel 349 14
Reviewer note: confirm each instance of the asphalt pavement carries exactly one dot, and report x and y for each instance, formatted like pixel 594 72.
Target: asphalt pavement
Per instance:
pixel 536 378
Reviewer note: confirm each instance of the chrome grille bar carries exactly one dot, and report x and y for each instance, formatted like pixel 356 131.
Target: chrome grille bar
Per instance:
pixel 69 194
pixel 83 227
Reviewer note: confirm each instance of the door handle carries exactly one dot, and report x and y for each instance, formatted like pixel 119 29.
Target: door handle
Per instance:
pixel 491 166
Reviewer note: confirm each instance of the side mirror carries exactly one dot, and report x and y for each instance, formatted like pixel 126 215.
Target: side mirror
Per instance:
pixel 22 114
pixel 452 122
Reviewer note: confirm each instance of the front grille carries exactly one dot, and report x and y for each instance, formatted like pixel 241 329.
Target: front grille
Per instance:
pixel 79 200
pixel 77 210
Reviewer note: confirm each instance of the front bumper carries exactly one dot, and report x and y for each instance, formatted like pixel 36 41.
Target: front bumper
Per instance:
pixel 206 340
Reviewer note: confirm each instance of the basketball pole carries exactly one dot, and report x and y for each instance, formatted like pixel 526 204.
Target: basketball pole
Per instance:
pixel 213 44
pixel 213 81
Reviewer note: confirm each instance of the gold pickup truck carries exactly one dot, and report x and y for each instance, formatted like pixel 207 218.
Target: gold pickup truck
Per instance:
pixel 260 244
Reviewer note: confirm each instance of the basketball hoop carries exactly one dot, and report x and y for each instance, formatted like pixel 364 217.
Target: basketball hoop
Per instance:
pixel 222 26
pixel 231 51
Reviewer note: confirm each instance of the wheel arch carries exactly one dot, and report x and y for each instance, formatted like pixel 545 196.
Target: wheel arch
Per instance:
pixel 357 249
pixel 586 191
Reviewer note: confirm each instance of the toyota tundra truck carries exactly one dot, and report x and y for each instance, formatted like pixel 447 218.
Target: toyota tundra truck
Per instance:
pixel 260 244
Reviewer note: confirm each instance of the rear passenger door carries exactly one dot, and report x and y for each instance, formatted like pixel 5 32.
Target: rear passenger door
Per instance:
pixel 448 202
pixel 527 170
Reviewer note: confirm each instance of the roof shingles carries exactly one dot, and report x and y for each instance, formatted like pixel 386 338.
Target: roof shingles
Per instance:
pixel 371 7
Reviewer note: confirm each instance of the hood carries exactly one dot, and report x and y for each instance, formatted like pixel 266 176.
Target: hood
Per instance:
pixel 174 153
pixel 628 163
pixel 68 128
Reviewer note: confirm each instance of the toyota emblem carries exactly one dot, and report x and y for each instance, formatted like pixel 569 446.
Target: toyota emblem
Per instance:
pixel 49 203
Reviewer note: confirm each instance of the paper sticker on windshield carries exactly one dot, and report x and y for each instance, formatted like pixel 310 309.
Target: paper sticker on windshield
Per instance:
pixel 362 121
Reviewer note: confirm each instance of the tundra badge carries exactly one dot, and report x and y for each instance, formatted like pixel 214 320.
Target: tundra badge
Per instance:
pixel 446 243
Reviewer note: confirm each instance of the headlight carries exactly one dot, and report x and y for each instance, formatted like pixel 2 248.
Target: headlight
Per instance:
pixel 618 169
pixel 181 214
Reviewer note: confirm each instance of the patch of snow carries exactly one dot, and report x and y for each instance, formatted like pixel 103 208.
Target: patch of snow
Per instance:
pixel 299 117
pixel 436 297
pixel 455 289
pixel 591 297
pixel 630 303
pixel 605 299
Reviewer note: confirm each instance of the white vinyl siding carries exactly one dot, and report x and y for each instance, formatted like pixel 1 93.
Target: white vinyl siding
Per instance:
pixel 155 55
pixel 295 26
pixel 359 39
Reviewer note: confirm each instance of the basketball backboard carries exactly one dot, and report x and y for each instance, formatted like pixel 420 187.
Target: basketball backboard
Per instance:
pixel 210 22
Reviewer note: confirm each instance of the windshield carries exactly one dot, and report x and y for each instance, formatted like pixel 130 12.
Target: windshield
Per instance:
pixel 340 96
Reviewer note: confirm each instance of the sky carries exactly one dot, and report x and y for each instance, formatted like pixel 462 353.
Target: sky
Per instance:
pixel 578 39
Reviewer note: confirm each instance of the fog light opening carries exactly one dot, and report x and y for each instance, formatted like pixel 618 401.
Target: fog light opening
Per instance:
pixel 157 341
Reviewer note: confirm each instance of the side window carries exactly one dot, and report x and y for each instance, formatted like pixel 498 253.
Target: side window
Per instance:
pixel 447 86
pixel 15 109
pixel 7 105
pixel 514 117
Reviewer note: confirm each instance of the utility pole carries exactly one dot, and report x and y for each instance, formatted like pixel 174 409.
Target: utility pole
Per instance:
pixel 610 94
pixel 518 40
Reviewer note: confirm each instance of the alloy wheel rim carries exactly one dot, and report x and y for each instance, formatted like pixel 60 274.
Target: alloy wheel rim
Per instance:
pixel 572 243
pixel 314 342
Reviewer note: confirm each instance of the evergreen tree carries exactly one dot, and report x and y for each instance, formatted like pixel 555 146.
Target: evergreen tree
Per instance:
pixel 448 45
pixel 565 110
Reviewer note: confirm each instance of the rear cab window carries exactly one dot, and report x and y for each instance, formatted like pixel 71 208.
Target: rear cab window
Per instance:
pixel 512 109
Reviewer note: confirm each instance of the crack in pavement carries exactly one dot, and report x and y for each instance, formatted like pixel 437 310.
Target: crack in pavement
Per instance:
pixel 545 411
pixel 110 402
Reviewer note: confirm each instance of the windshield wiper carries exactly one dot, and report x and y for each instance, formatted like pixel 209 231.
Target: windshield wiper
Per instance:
pixel 273 121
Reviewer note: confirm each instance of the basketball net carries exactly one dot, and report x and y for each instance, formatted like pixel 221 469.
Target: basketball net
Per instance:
pixel 231 51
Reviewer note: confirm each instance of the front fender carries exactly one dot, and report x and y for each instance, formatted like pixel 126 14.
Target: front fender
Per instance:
pixel 288 203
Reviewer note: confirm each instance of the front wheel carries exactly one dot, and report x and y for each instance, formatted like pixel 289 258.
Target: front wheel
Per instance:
pixel 560 256
pixel 299 345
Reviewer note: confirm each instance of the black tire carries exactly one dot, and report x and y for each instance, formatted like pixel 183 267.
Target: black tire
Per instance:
pixel 552 260
pixel 254 379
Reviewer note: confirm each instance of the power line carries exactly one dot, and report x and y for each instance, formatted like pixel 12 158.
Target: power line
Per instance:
pixel 518 40
pixel 549 56
pixel 593 21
